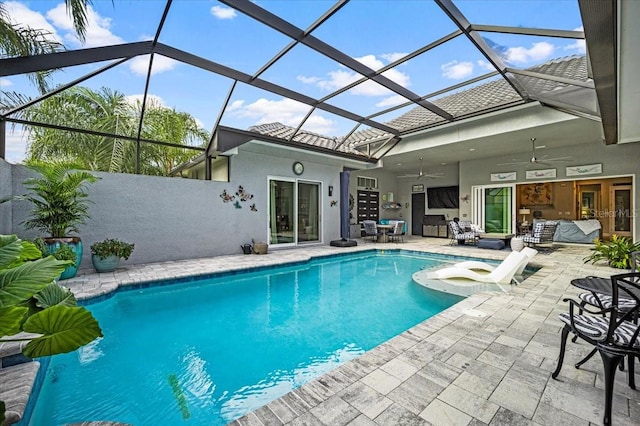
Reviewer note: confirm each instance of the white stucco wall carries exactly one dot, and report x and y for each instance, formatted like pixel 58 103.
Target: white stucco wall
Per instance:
pixel 6 185
pixel 174 218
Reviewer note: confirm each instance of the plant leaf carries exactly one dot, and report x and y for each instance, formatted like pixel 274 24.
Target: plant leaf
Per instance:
pixel 10 320
pixel 53 295
pixel 20 283
pixel 10 249
pixel 64 329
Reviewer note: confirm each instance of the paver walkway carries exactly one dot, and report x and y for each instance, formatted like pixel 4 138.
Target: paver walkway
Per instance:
pixel 487 360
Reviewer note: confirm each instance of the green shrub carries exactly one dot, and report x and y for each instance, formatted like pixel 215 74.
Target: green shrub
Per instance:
pixel 616 252
pixel 112 247
pixel 63 252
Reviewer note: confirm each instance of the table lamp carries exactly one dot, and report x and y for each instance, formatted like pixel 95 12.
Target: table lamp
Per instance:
pixel 524 212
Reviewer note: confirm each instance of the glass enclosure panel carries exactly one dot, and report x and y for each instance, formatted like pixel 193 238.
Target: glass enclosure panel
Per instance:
pixel 622 205
pixel 281 214
pixel 308 212
pixel 497 209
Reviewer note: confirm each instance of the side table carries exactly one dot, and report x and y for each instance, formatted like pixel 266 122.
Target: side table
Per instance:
pixel 517 244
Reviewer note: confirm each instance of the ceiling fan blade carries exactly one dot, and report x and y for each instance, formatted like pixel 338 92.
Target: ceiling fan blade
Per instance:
pixel 408 176
pixel 514 163
pixel 433 175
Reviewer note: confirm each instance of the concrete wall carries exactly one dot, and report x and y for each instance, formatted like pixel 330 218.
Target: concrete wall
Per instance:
pixel 174 218
pixel 6 187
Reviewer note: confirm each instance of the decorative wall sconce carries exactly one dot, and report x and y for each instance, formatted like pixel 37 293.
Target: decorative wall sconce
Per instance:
pixel 330 190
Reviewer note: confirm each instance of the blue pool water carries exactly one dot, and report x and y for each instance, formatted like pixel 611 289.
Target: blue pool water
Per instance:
pixel 206 352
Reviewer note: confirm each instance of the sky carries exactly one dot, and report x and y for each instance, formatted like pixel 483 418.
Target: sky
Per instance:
pixel 374 32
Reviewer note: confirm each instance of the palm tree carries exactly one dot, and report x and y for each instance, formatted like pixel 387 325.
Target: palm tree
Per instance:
pixel 20 40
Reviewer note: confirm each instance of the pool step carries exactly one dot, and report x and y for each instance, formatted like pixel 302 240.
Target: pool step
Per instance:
pixel 16 383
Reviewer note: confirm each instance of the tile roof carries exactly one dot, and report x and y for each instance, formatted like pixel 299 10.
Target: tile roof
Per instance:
pixel 487 96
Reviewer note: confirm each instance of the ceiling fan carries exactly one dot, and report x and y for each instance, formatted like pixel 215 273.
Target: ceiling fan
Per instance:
pixel 422 174
pixel 535 160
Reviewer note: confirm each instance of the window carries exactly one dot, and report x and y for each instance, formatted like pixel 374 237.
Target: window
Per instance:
pixel 367 182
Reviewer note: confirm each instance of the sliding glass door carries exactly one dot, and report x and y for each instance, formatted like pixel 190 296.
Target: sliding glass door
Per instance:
pixel 294 212
pixel 493 208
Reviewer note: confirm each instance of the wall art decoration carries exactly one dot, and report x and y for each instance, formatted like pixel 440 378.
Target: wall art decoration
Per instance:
pixel 253 207
pixel 226 197
pixel 417 188
pixel 502 177
pixel 537 174
pixel 244 195
pixel 590 169
pixel 333 203
pixel 536 194
pixel 237 205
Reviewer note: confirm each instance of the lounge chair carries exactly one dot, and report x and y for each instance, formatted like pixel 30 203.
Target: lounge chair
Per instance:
pixel 481 267
pixel 502 274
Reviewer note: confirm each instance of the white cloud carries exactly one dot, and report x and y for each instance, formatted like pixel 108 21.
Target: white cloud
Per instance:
pixel 235 105
pixel 140 64
pixel 285 111
pixel 536 52
pixel 342 77
pixel 579 45
pixel 222 12
pixel 391 101
pixel 152 100
pixel 392 57
pixel 457 70
pixel 20 14
pixel 16 145
pixel 485 65
pixel 308 80
pixel 5 82
pixel 98 28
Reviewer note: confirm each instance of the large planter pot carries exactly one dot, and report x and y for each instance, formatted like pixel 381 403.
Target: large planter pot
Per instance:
pixel 106 264
pixel 76 245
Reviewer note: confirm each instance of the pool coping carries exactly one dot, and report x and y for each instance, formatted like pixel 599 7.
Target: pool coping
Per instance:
pixel 332 394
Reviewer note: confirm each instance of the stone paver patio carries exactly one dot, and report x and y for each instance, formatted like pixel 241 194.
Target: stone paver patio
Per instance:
pixel 487 360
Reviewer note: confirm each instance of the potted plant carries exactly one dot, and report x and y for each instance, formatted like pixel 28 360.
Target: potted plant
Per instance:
pixel 616 252
pixel 32 302
pixel 60 205
pixel 106 254
pixel 60 251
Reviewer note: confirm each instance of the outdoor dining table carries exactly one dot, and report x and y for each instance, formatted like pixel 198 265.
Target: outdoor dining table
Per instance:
pixel 384 229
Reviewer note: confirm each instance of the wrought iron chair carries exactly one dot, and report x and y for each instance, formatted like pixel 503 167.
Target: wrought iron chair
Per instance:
pixel 371 230
pixel 611 331
pixel 459 236
pixel 542 235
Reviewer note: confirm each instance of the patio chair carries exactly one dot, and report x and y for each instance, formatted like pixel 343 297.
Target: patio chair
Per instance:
pixel 371 230
pixel 502 274
pixel 610 331
pixel 542 234
pixel 460 236
pixel 397 232
pixel 481 267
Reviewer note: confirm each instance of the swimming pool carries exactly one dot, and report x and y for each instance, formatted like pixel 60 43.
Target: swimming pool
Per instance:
pixel 209 351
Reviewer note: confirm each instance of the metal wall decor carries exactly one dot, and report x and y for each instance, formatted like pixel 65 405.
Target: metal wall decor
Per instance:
pixel 503 177
pixel 590 169
pixel 241 195
pixel 537 174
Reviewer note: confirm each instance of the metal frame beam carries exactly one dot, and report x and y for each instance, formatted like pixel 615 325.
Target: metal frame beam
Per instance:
pixel 275 22
pixel 528 31
pixel 48 61
pixel 461 21
pixel 600 21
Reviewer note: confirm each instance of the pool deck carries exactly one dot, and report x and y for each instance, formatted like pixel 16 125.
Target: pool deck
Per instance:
pixel 485 361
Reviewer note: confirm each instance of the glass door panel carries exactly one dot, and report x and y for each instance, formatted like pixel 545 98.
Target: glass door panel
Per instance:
pixel 498 214
pixel 308 212
pixel 620 204
pixel 281 212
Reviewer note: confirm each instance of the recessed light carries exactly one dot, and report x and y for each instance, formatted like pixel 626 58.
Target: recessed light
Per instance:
pixel 399 164
pixel 472 149
pixel 443 164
